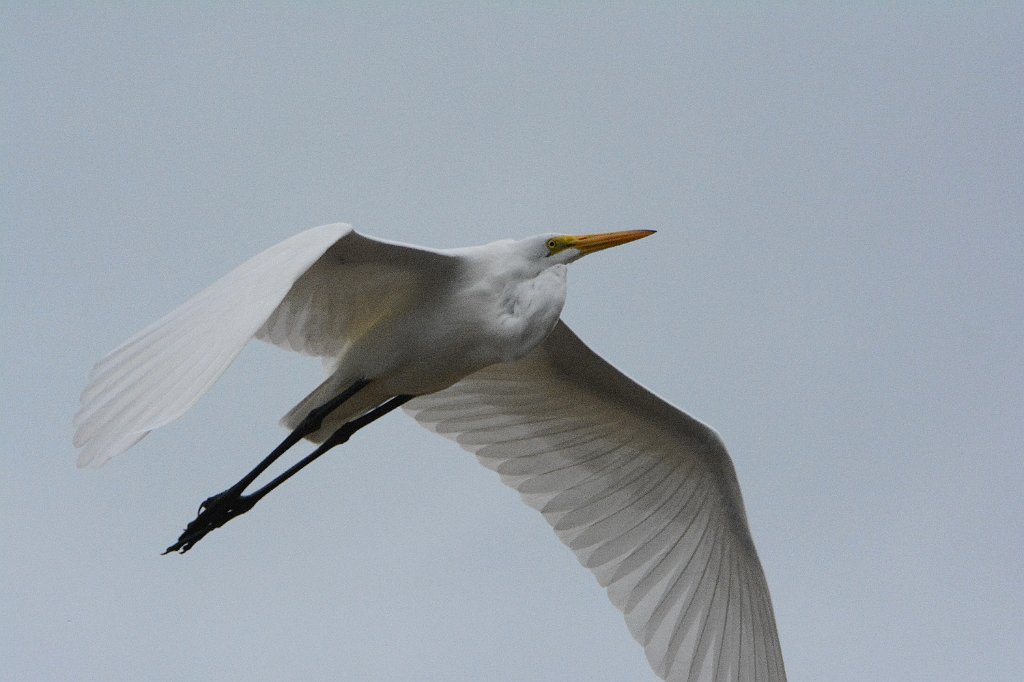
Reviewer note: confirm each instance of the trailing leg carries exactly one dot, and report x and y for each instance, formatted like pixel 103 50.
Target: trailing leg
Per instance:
pixel 217 510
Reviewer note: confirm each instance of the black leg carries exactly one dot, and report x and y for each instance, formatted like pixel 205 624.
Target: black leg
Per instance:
pixel 337 438
pixel 221 508
pixel 310 424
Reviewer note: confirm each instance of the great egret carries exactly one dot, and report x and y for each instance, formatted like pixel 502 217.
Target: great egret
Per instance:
pixel 470 341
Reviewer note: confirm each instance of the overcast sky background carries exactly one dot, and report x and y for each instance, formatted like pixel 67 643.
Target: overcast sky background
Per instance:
pixel 836 286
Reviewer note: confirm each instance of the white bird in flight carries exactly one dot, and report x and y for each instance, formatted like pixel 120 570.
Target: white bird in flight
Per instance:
pixel 470 342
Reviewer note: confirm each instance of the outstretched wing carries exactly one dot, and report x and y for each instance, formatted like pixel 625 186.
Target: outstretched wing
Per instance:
pixel 307 293
pixel 359 281
pixel 645 495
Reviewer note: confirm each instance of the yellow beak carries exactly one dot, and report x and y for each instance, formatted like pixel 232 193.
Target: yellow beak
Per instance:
pixel 589 243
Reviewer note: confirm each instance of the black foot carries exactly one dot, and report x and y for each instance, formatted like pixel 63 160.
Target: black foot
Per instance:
pixel 213 513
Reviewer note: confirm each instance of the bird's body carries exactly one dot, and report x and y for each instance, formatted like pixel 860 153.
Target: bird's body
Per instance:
pixel 487 304
pixel 470 341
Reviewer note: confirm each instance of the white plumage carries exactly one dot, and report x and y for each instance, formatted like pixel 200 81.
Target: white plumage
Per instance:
pixel 643 494
pixel 157 375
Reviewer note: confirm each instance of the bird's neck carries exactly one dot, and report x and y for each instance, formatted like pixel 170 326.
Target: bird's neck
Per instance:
pixel 528 310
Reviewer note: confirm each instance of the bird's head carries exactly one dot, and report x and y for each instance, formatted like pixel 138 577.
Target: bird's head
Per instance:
pixel 566 248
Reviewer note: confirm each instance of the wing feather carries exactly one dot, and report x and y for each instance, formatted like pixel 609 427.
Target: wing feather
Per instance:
pixel 645 495
pixel 358 281
pixel 312 293
pixel 158 374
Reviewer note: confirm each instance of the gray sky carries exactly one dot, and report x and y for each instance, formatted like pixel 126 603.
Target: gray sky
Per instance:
pixel 835 287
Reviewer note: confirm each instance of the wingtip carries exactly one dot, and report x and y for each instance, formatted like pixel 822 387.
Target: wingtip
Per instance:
pixel 87 458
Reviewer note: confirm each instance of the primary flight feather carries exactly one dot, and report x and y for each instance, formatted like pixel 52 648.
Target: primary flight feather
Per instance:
pixel 470 342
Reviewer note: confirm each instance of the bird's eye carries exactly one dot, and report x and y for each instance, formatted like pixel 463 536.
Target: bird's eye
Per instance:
pixel 552 243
